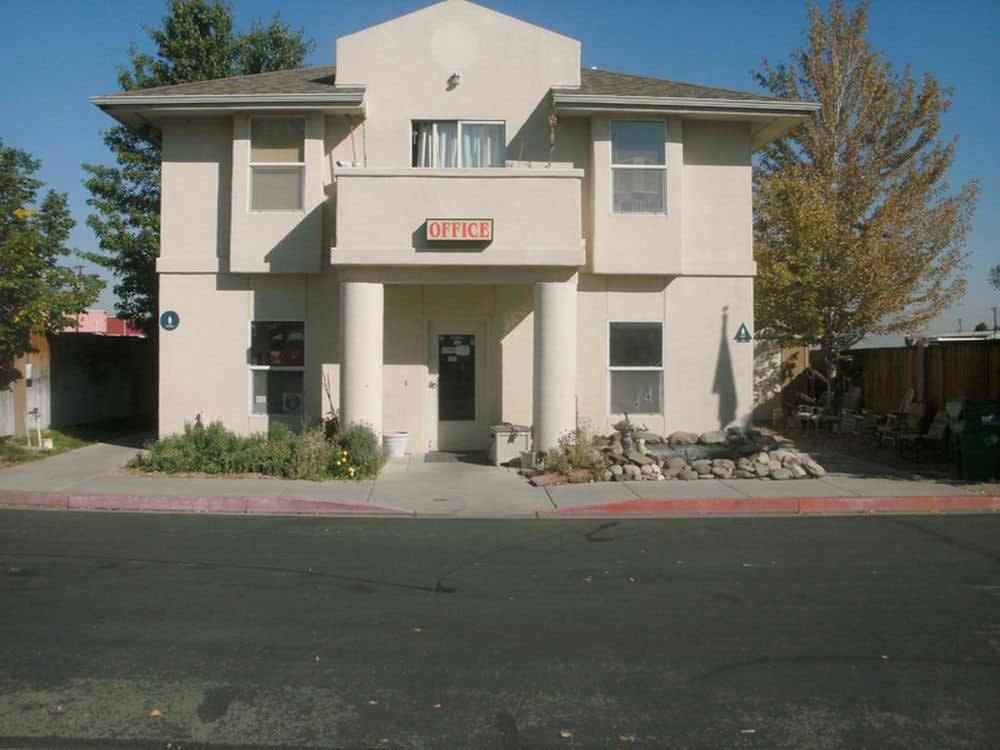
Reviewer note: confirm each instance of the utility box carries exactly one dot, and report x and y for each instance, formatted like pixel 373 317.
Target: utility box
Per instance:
pixel 507 441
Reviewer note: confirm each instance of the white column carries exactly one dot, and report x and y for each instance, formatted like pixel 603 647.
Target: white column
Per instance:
pixel 361 311
pixel 554 398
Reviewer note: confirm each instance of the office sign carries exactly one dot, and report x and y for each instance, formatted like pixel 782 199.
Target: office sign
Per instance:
pixel 459 230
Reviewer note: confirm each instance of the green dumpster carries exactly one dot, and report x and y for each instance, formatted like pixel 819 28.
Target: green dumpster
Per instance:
pixel 979 440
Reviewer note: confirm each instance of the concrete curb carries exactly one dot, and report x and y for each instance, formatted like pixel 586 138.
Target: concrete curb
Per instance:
pixel 784 506
pixel 222 505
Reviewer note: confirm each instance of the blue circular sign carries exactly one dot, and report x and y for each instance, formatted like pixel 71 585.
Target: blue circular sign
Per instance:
pixel 169 320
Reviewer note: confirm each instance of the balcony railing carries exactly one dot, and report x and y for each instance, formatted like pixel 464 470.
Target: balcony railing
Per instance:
pixel 382 216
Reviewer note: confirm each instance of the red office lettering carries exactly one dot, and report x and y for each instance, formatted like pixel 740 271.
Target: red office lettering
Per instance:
pixel 484 230
pixel 434 229
pixel 473 230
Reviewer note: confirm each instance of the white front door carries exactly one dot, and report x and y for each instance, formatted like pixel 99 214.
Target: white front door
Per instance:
pixel 455 365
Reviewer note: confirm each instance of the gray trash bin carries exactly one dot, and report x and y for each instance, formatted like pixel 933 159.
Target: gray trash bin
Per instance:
pixel 507 441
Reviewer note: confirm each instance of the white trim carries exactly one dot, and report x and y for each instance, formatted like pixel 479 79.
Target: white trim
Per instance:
pixel 599 100
pixel 634 368
pixel 346 98
pixel 506 173
pixel 612 167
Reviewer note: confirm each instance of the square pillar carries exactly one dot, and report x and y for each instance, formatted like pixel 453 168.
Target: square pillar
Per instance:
pixel 361 331
pixel 554 397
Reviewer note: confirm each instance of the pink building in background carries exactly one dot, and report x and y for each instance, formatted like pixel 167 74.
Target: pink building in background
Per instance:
pixel 98 321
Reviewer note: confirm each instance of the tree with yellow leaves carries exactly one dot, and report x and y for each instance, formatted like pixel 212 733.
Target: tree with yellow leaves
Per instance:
pixel 38 295
pixel 856 229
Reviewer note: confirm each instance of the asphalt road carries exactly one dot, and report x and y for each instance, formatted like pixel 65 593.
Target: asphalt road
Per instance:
pixel 865 632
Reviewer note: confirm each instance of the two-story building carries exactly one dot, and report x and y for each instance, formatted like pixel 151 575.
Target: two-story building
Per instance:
pixel 456 226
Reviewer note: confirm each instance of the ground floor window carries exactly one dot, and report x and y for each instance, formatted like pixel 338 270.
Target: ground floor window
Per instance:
pixel 635 365
pixel 277 367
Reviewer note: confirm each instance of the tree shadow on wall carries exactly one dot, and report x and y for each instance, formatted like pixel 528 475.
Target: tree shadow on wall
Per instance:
pixel 724 384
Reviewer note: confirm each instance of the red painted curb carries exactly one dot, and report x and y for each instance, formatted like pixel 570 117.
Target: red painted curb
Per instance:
pixel 213 504
pixel 793 506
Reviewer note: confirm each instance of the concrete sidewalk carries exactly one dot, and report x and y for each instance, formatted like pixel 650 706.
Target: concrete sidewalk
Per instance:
pixel 93 478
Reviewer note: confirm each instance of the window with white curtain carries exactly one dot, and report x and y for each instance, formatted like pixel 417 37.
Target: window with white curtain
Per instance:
pixel 459 143
pixel 638 167
pixel 277 163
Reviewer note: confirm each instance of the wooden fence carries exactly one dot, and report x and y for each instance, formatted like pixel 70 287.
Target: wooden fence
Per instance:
pixel 936 373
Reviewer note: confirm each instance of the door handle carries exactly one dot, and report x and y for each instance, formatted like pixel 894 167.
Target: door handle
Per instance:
pixel 432 384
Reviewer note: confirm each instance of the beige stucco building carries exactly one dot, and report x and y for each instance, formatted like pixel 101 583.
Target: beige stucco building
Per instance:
pixel 456 226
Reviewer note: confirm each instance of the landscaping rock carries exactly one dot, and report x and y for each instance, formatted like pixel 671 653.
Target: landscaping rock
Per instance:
pixel 649 437
pixel 616 471
pixel 706 476
pixel 813 468
pixel 762 470
pixel 632 473
pixel 608 476
pixel 797 471
pixel 687 474
pixel 722 472
pixel 647 470
pixel 791 460
pixel 724 463
pixel 639 459
pixel 547 480
pixel 744 463
pixel 745 474
pixel 675 462
pixel 774 464
pixel 704 466
pixel 761 458
pixel 780 473
pixel 682 438
pixel 713 438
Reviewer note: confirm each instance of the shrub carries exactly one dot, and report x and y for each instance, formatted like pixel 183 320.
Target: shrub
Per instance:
pixel 358 453
pixel 576 450
pixel 353 453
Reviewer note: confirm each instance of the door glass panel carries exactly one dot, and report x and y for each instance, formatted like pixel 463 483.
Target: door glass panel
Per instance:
pixel 457 378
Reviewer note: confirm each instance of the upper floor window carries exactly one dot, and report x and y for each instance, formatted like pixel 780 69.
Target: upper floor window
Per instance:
pixel 459 143
pixel 639 167
pixel 277 163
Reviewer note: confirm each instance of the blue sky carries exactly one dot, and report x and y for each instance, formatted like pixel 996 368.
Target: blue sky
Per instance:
pixel 54 55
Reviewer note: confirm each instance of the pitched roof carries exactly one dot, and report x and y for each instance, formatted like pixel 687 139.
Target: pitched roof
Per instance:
pixel 315 80
pixel 608 83
pixel 322 80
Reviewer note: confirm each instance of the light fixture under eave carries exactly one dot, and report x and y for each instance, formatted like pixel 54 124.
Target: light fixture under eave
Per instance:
pixel 453 80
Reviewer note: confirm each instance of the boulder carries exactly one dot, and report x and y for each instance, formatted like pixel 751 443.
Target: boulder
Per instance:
pixel 655 468
pixel 633 473
pixel 647 470
pixel 762 470
pixel 722 472
pixel 608 476
pixel 813 468
pixel 710 475
pixel 797 471
pixel 745 474
pixel 724 463
pixel 639 459
pixel 761 458
pixel 649 437
pixel 616 471
pixel 744 463
pixel 704 466
pixel 675 462
pixel 774 464
pixel 712 438
pixel 687 474
pixel 791 460
pixel 780 473
pixel 682 438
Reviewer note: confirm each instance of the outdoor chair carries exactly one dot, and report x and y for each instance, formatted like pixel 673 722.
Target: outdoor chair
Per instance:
pixel 874 424
pixel 896 425
pixel 915 442
pixel 844 419
pixel 811 415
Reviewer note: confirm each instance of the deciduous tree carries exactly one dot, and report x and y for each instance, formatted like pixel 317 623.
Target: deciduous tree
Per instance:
pixel 857 230
pixel 37 294
pixel 195 41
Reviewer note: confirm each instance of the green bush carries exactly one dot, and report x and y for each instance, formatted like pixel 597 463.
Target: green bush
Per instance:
pixel 353 453
pixel 576 450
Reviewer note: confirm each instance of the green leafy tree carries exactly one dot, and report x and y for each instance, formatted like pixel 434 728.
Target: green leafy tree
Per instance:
pixel 856 229
pixel 195 41
pixel 995 277
pixel 37 294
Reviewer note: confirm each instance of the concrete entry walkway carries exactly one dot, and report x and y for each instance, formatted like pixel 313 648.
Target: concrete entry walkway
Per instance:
pixel 442 486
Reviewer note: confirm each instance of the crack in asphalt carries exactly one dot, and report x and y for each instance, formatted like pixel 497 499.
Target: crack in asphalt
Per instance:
pixel 944 538
pixel 843 659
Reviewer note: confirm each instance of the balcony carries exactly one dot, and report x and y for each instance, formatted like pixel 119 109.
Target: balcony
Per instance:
pixel 382 217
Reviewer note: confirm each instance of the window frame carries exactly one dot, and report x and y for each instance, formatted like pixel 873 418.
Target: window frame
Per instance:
pixel 276 166
pixel 636 368
pixel 613 167
pixel 458 122
pixel 252 368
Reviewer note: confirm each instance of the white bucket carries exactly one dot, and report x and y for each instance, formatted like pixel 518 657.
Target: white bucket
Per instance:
pixel 394 444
